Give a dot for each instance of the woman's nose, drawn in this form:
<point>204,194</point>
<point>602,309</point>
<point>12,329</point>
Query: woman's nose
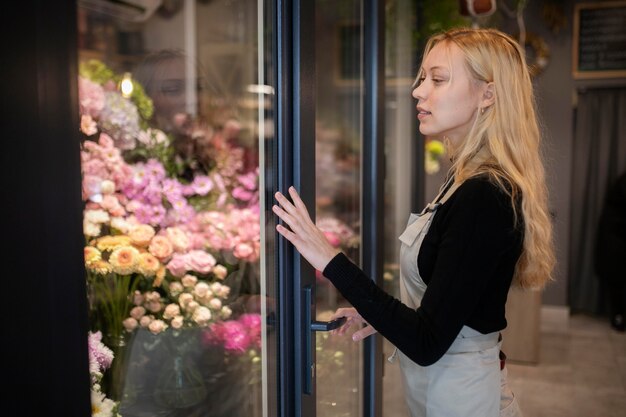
<point>417,93</point>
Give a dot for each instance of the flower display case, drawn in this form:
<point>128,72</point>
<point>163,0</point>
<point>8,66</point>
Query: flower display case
<point>167,240</point>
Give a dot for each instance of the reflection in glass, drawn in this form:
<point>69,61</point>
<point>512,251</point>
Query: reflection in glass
<point>172,216</point>
<point>403,170</point>
<point>339,101</point>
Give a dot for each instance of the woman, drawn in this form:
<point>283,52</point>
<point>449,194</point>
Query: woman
<point>488,229</point>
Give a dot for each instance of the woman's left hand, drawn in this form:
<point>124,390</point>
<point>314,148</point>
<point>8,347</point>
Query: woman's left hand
<point>304,235</point>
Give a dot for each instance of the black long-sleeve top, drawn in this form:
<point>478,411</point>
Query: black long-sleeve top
<point>467,260</point>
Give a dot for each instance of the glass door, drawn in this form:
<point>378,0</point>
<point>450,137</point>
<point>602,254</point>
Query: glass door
<point>339,95</point>
<point>192,114</point>
<point>176,114</point>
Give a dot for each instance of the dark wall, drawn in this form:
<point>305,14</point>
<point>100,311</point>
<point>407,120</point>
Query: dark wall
<point>45,358</point>
<point>556,99</point>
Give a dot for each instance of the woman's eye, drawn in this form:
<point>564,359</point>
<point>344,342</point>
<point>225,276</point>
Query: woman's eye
<point>437,80</point>
<point>420,80</point>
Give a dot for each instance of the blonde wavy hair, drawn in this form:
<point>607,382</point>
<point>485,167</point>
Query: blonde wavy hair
<point>504,142</point>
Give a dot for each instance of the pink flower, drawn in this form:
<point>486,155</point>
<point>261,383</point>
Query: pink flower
<point>137,312</point>
<point>202,185</point>
<point>232,334</point>
<point>90,97</point>
<point>333,239</point>
<point>177,265</point>
<point>98,353</point>
<point>243,250</point>
<point>200,261</point>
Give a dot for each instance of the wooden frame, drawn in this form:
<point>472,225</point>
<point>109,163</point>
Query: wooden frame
<point>597,71</point>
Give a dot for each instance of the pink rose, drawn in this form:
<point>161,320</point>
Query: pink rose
<point>243,250</point>
<point>137,312</point>
<point>177,265</point>
<point>200,261</point>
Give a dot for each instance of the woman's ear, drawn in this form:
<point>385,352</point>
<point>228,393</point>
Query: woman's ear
<point>489,95</point>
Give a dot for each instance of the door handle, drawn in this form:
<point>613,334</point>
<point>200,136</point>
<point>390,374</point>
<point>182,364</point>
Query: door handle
<point>311,326</point>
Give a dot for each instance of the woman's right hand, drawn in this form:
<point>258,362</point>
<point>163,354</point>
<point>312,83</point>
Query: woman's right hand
<point>353,317</point>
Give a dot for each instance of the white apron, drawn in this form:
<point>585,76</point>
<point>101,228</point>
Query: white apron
<point>466,381</point>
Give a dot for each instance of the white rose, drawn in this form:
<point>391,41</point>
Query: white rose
<point>189,281</point>
<point>107,187</point>
<point>172,310</point>
<point>220,271</point>
<point>215,304</point>
<point>202,290</point>
<point>191,307</point>
<point>177,322</point>
<point>226,312</point>
<point>185,299</point>
<point>202,315</point>
<point>157,326</point>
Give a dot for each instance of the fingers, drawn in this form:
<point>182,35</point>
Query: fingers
<point>345,312</point>
<point>286,217</point>
<point>299,204</point>
<point>288,234</point>
<point>285,203</point>
<point>363,333</point>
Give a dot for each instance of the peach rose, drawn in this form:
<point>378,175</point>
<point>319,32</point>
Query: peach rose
<point>130,324</point>
<point>179,238</point>
<point>141,235</point>
<point>177,322</point>
<point>161,247</point>
<point>220,271</point>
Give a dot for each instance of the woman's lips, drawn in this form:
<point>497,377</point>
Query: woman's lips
<point>422,114</point>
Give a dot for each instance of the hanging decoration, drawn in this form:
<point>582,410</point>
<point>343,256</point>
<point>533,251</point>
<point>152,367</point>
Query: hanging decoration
<point>477,8</point>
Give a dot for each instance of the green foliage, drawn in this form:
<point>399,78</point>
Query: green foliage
<point>438,16</point>
<point>96,71</point>
<point>143,102</point>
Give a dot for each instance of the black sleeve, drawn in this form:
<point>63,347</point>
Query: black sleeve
<point>475,234</point>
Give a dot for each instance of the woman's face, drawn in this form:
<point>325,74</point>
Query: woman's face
<point>447,97</point>
<point>169,96</point>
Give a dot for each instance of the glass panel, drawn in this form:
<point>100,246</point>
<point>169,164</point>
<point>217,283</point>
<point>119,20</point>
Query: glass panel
<point>401,142</point>
<point>174,102</point>
<point>339,102</point>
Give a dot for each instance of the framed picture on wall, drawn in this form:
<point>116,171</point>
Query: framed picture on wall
<point>599,42</point>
